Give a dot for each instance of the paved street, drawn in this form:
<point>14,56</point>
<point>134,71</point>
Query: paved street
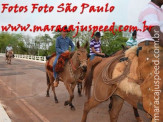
<point>23,89</point>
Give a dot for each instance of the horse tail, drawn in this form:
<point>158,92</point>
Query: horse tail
<point>88,79</point>
<point>47,78</point>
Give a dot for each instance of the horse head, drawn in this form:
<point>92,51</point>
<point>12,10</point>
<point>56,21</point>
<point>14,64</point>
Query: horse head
<point>81,56</point>
<point>124,47</point>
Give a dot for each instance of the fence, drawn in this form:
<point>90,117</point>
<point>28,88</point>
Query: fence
<point>2,54</point>
<point>28,57</point>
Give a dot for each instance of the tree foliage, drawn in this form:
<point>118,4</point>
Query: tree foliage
<point>45,45</point>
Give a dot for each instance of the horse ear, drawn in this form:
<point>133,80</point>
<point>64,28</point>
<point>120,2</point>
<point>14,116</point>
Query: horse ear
<point>123,47</point>
<point>86,45</point>
<point>78,45</point>
<point>71,54</point>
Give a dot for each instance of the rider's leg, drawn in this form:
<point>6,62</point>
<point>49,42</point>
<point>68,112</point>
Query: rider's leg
<point>55,73</point>
<point>92,56</point>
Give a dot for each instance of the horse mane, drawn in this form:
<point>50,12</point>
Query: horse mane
<point>89,76</point>
<point>71,54</point>
<point>88,81</point>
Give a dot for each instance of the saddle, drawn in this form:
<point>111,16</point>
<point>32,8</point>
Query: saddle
<point>60,63</point>
<point>116,73</point>
<point>125,73</point>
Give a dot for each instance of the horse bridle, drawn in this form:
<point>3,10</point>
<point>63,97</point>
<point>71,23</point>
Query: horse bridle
<point>72,67</point>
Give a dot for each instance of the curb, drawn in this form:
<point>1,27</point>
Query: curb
<point>3,115</point>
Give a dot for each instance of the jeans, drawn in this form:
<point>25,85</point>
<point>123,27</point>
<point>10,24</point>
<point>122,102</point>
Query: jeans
<point>92,56</point>
<point>54,64</point>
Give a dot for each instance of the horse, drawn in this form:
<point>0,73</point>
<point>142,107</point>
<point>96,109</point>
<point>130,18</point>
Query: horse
<point>9,56</point>
<point>72,74</point>
<point>145,95</point>
<point>105,90</point>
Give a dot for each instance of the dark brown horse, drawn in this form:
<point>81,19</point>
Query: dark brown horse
<point>9,56</point>
<point>74,68</point>
<point>103,91</point>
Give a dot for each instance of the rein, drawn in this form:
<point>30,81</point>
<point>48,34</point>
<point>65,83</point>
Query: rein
<point>105,76</point>
<point>70,61</point>
<point>109,81</point>
<point>72,67</point>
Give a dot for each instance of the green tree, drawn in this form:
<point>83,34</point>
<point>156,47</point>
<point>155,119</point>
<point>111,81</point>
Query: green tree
<point>112,43</point>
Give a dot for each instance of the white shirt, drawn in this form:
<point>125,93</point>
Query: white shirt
<point>9,48</point>
<point>153,15</point>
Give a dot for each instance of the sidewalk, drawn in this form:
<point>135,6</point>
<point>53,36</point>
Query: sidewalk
<point>3,115</point>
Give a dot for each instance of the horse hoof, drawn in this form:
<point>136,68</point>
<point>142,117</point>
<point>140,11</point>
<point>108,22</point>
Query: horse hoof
<point>47,95</point>
<point>66,103</point>
<point>73,108</point>
<point>80,95</point>
<point>139,119</point>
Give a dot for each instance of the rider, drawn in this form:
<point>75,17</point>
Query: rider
<point>95,46</point>
<point>8,48</point>
<point>62,45</point>
<point>148,41</point>
<point>132,41</point>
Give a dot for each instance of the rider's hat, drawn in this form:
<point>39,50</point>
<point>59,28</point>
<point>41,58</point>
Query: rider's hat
<point>98,34</point>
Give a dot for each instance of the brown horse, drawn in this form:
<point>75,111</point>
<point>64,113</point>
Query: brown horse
<point>102,90</point>
<point>9,56</point>
<point>75,67</point>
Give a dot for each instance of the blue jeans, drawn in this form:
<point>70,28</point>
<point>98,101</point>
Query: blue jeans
<point>92,56</point>
<point>54,64</point>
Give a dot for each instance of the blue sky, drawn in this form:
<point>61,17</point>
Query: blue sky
<point>126,13</point>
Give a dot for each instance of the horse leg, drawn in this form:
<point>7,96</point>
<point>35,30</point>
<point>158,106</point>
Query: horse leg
<point>55,96</point>
<point>53,88</point>
<point>10,61</point>
<point>7,60</point>
<point>91,103</point>
<point>71,93</point>
<point>137,115</point>
<point>48,84</point>
<point>117,104</point>
<point>110,105</point>
<point>79,89</point>
<point>47,92</point>
<point>71,98</point>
